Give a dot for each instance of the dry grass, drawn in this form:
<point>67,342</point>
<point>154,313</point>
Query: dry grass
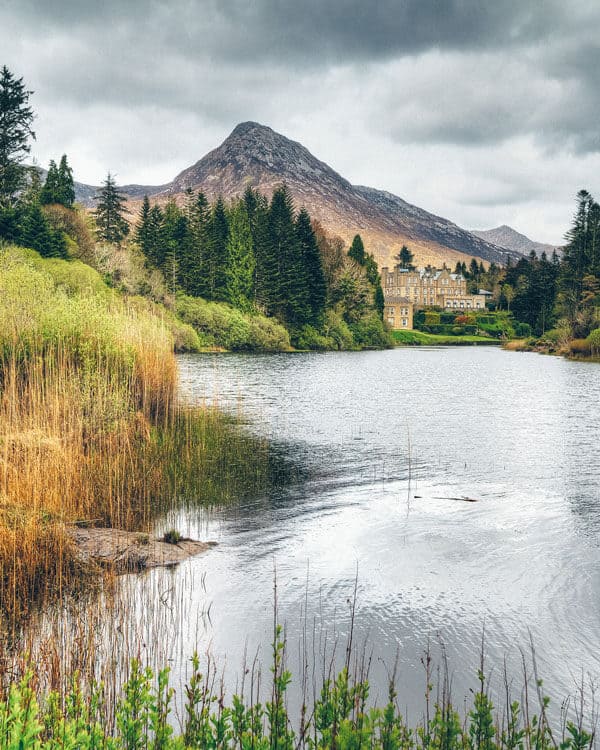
<point>89,427</point>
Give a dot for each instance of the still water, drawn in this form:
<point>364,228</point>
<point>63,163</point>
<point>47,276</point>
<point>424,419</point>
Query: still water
<point>385,442</point>
<point>383,446</point>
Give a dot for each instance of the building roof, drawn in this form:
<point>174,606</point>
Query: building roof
<point>396,298</point>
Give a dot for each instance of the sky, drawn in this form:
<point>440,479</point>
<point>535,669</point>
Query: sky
<point>485,112</point>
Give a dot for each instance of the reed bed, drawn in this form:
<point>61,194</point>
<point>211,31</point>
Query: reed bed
<point>90,427</point>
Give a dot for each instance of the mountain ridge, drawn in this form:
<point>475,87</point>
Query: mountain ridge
<point>256,155</point>
<point>510,239</point>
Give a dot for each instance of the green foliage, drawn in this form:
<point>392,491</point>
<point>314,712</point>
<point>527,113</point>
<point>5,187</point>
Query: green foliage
<point>172,536</point>
<point>16,117</point>
<point>240,259</point>
<point>405,258</point>
<point>59,187</point>
<point>431,318</point>
<point>357,250</point>
<point>220,325</point>
<point>110,213</point>
<point>594,341</point>
<point>339,716</point>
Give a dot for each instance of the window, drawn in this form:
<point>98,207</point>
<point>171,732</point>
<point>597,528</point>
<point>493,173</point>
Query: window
<point>404,322</point>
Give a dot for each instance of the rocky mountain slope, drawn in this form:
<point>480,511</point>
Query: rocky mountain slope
<point>513,241</point>
<point>256,155</point>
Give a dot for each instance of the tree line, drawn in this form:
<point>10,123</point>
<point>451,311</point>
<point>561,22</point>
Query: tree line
<point>253,253</point>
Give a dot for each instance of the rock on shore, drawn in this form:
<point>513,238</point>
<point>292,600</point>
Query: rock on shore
<point>129,551</point>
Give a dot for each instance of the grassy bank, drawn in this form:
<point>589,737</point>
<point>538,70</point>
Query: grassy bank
<point>89,424</point>
<point>419,338</point>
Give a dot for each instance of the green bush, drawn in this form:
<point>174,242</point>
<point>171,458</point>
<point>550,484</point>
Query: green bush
<point>309,338</point>
<point>432,318</point>
<point>337,331</point>
<point>221,325</point>
<point>368,332</point>
<point>594,342</point>
<point>522,330</point>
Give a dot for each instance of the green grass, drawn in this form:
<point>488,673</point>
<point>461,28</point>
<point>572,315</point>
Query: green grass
<point>337,716</point>
<point>418,338</point>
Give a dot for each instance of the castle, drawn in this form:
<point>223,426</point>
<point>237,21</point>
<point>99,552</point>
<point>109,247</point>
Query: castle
<point>405,289</point>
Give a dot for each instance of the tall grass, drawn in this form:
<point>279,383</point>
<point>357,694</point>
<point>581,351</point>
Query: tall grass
<point>90,428</point>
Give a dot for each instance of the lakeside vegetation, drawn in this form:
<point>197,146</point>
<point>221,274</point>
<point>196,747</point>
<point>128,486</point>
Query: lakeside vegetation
<point>90,426</point>
<point>558,297</point>
<point>336,712</point>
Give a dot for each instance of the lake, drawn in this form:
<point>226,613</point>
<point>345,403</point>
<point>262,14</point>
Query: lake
<point>380,449</point>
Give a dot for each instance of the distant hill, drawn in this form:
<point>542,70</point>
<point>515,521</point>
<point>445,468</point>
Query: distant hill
<point>256,155</point>
<point>517,243</point>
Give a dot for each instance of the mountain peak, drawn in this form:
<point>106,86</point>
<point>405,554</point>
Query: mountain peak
<point>509,239</point>
<point>256,155</point>
<point>245,128</point>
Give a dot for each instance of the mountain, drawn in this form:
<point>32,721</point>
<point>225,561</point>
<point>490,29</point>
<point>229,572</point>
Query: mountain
<point>256,155</point>
<point>517,243</point>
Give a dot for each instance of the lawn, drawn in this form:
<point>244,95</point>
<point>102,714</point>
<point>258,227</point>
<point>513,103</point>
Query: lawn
<point>418,338</point>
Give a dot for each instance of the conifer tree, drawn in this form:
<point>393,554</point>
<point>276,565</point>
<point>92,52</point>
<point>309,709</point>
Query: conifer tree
<point>49,192</point>
<point>66,186</point>
<point>357,250</point>
<point>257,208</point>
<point>37,234</point>
<point>173,233</point>
<point>141,230</point>
<point>16,118</point>
<point>287,283</point>
<point>313,267</point>
<point>217,252</point>
<point>240,258</point>
<point>110,212</point>
<point>405,258</point>
<point>153,237</point>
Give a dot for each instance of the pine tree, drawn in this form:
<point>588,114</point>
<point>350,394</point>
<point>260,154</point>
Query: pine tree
<point>257,208</point>
<point>357,250</point>
<point>173,233</point>
<point>50,190</point>
<point>240,258</point>
<point>37,234</point>
<point>141,230</point>
<point>66,186</point>
<point>110,213</point>
<point>16,118</point>
<point>218,232</point>
<point>405,258</point>
<point>313,267</point>
<point>287,284</point>
<point>154,252</point>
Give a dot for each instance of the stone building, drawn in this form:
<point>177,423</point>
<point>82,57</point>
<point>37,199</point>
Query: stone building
<point>398,312</point>
<point>426,287</point>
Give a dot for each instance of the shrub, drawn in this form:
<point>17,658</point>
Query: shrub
<point>309,338</point>
<point>219,324</point>
<point>581,347</point>
<point>336,329</point>
<point>593,341</point>
<point>369,332</point>
<point>172,536</point>
<point>432,318</point>
<point>522,330</point>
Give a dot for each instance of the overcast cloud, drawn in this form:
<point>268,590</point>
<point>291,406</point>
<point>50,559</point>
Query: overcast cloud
<point>483,111</point>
